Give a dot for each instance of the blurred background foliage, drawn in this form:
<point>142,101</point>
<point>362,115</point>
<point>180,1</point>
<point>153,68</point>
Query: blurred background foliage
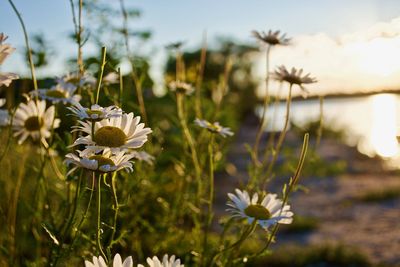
<point>153,219</point>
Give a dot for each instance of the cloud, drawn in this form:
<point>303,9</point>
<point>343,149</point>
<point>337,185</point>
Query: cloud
<point>363,61</point>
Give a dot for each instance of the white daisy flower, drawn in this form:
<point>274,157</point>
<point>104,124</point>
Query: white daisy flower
<point>293,77</point>
<point>267,212</point>
<point>5,51</point>
<point>57,94</point>
<point>113,134</point>
<point>166,262</point>
<point>271,38</point>
<point>143,156</point>
<point>214,127</point>
<point>32,119</point>
<point>181,87</point>
<point>95,112</point>
<point>7,77</point>
<point>111,78</point>
<point>100,262</point>
<point>73,80</point>
<point>105,162</point>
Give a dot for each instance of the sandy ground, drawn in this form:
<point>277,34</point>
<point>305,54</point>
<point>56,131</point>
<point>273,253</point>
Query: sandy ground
<point>373,227</point>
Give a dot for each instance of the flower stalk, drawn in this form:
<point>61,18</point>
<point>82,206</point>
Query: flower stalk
<point>28,47</point>
<point>264,111</point>
<point>287,190</point>
<point>99,230</point>
<point>100,78</point>
<point>116,209</point>
<point>189,141</point>
<point>211,194</point>
<point>279,143</point>
<point>135,78</point>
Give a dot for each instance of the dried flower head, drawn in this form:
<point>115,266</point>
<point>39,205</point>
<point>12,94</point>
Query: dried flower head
<point>293,77</point>
<point>271,38</point>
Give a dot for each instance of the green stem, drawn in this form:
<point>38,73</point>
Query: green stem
<point>116,209</point>
<point>9,135</point>
<point>37,216</point>
<point>98,230</point>
<point>271,140</point>
<point>14,208</point>
<point>280,140</point>
<point>100,78</point>
<point>190,142</point>
<point>79,40</point>
<point>66,228</point>
<point>263,114</point>
<point>242,238</point>
<point>121,87</point>
<point>136,80</point>
<point>293,181</point>
<point>78,33</point>
<point>200,75</point>
<point>31,65</point>
<point>78,227</point>
<point>211,195</point>
<point>180,70</point>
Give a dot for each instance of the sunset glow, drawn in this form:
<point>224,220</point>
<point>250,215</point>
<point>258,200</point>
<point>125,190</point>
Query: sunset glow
<point>384,129</point>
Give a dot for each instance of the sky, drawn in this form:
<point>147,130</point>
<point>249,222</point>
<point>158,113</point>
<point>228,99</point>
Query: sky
<point>347,45</point>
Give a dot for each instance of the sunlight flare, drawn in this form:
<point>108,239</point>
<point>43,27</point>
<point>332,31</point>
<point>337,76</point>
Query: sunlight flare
<point>383,128</point>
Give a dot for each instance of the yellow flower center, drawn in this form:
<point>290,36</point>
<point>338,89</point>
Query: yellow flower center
<point>94,112</point>
<point>56,94</point>
<point>109,136</point>
<point>102,161</point>
<point>33,123</point>
<point>214,127</point>
<point>182,89</point>
<point>73,80</point>
<point>272,40</point>
<point>258,212</point>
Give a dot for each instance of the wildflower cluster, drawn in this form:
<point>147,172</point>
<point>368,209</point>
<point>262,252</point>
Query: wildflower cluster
<point>128,262</point>
<point>110,137</point>
<point>103,198</point>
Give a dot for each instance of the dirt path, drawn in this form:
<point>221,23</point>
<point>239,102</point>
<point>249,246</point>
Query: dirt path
<point>371,226</point>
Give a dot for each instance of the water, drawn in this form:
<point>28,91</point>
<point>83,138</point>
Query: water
<point>370,123</point>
